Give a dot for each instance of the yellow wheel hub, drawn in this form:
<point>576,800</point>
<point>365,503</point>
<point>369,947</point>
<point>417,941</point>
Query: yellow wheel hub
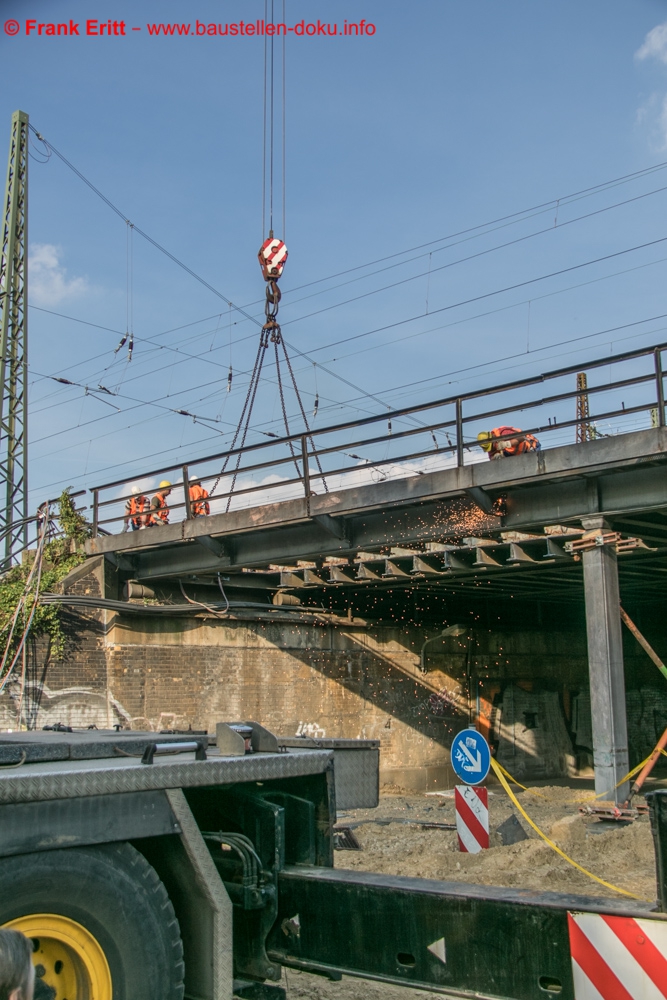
<point>72,959</point>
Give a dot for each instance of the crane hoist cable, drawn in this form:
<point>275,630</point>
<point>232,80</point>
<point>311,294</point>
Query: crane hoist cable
<point>272,257</point>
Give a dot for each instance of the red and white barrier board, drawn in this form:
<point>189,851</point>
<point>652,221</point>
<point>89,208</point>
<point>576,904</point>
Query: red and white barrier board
<point>618,958</point>
<point>472,817</point>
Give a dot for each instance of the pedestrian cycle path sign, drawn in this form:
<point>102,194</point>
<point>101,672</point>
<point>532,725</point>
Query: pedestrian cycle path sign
<point>471,756</point>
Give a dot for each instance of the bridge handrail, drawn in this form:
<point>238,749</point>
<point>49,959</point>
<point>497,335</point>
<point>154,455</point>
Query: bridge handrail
<point>305,451</point>
<point>406,411</point>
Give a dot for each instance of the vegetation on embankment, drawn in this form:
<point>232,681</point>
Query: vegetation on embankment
<point>59,557</point>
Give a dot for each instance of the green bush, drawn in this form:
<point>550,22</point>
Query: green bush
<point>60,556</point>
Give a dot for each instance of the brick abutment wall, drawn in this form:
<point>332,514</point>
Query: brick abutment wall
<point>527,690</point>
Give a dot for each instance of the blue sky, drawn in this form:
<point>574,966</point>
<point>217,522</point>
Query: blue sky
<point>451,115</point>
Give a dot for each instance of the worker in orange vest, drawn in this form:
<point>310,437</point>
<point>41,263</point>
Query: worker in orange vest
<point>199,505</point>
<point>159,508</point>
<point>506,442</point>
<point>134,510</point>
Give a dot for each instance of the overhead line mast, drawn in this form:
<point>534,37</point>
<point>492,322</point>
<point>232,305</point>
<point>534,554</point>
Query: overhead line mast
<point>14,345</point>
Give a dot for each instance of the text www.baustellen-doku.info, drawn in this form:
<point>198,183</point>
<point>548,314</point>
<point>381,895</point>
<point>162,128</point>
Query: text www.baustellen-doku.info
<point>93,28</point>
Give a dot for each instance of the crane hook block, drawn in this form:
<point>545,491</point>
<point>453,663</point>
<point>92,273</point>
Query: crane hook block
<point>272,257</point>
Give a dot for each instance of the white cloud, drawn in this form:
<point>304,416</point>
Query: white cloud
<point>48,281</point>
<point>655,44</point>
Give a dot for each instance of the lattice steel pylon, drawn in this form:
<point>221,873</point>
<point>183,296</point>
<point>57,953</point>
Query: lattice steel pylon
<point>585,430</point>
<point>14,346</point>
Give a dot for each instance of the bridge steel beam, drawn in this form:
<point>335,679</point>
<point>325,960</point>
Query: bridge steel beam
<point>614,477</point>
<point>605,667</point>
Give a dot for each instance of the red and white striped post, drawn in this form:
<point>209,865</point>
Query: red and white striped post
<point>617,958</point>
<point>472,817</point>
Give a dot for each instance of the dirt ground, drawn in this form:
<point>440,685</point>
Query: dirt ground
<point>621,855</point>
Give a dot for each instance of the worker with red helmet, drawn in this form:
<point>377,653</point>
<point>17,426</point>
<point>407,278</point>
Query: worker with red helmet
<point>199,505</point>
<point>135,518</point>
<point>506,442</point>
<point>159,513</point>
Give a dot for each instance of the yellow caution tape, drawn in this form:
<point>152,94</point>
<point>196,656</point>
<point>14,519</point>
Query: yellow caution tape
<point>503,781</point>
<point>630,774</point>
<point>590,798</point>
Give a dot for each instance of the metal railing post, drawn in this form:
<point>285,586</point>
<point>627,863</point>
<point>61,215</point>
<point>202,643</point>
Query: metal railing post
<point>186,493</point>
<point>657,356</point>
<point>459,432</point>
<point>339,445</point>
<point>96,511</point>
<point>306,470</point>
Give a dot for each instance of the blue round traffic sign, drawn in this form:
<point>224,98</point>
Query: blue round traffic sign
<point>470,756</point>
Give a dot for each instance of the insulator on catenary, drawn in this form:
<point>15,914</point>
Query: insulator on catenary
<point>317,404</point>
<point>122,343</point>
<point>229,379</point>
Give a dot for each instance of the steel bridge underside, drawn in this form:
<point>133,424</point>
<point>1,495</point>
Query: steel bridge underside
<point>622,478</point>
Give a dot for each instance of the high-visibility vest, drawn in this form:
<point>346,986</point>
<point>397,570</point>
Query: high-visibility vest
<point>526,442</point>
<point>198,502</point>
<point>162,510</point>
<point>136,506</point>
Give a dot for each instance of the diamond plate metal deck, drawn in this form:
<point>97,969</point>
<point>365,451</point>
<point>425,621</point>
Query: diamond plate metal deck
<point>356,768</point>
<point>65,779</point>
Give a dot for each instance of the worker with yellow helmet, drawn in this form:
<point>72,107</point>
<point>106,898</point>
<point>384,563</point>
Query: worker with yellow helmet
<point>159,508</point>
<point>506,442</point>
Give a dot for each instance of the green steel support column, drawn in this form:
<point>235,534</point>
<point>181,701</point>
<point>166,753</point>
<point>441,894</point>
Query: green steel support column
<point>14,345</point>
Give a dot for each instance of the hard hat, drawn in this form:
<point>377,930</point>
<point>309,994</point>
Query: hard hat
<point>134,490</point>
<point>484,438</point>
<point>165,484</point>
<point>194,479</point>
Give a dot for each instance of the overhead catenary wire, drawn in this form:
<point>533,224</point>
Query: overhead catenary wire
<point>303,354</point>
<point>458,260</point>
<point>153,455</point>
<point>452,306</point>
<point>449,264</point>
<point>153,242</point>
<point>491,312</point>
<point>185,356</point>
<point>467,319</point>
<point>498,291</point>
<point>364,395</point>
<point>496,361</point>
<point>243,311</point>
<point>141,232</point>
<point>518,216</point>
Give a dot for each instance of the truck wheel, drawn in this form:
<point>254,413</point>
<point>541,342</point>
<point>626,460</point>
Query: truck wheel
<point>101,922</point>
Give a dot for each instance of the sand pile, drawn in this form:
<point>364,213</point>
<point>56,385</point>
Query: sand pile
<point>393,843</point>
